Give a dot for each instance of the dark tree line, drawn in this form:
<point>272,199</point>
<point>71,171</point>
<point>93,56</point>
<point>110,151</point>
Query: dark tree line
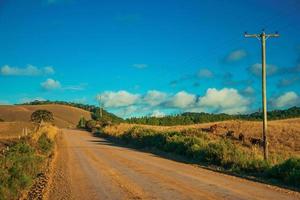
<point>196,118</point>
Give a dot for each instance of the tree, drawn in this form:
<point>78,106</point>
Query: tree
<point>42,115</point>
<point>82,122</point>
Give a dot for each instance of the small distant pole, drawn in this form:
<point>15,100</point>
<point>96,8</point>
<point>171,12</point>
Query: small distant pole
<point>101,107</point>
<point>263,37</point>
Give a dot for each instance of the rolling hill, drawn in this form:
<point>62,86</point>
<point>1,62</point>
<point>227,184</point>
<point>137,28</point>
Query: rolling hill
<point>64,116</point>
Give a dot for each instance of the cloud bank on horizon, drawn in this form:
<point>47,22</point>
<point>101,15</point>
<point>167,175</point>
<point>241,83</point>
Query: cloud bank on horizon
<point>158,103</point>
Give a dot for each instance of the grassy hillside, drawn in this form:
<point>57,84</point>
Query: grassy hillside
<point>90,108</point>
<point>284,135</point>
<point>64,116</point>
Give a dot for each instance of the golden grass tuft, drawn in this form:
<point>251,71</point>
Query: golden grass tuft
<point>50,130</point>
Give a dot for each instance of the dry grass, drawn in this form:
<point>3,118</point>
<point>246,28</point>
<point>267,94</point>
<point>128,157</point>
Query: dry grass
<point>64,116</point>
<point>13,130</point>
<point>284,135</point>
<point>50,131</point>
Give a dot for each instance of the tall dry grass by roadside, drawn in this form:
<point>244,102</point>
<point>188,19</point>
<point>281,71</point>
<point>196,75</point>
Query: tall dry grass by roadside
<point>284,135</point>
<point>48,129</point>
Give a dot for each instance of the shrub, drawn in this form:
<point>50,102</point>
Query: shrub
<point>23,161</point>
<point>20,165</point>
<point>82,122</point>
<point>45,144</point>
<point>90,125</point>
<point>288,171</point>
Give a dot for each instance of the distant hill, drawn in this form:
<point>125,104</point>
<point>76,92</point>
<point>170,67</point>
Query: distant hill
<point>64,116</point>
<point>94,110</point>
<point>196,118</point>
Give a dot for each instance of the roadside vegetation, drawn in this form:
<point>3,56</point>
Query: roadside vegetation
<point>23,160</point>
<point>224,152</point>
<point>201,148</point>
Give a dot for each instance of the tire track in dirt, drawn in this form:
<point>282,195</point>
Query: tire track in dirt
<point>156,177</point>
<point>132,190</point>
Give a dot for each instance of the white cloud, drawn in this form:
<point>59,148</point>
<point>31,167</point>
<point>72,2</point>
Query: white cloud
<point>128,111</point>
<point>157,103</point>
<point>287,99</point>
<point>30,70</point>
<point>50,84</point>
<point>248,90</point>
<point>227,100</point>
<point>75,87</point>
<point>118,99</point>
<point>236,55</point>
<point>31,99</point>
<point>154,97</point>
<point>182,100</point>
<point>140,66</point>
<point>48,70</point>
<point>157,113</point>
<point>205,73</point>
<point>256,69</point>
<point>288,81</point>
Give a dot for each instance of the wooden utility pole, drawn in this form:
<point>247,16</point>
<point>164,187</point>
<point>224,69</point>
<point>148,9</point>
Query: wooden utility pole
<point>101,107</point>
<point>263,37</point>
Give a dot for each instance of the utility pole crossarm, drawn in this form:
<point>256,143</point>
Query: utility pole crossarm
<point>252,35</point>
<point>272,35</point>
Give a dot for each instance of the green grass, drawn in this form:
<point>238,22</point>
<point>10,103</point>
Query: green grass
<point>45,144</point>
<point>287,171</point>
<point>222,152</point>
<point>20,165</point>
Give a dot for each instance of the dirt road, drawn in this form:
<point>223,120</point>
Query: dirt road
<point>92,168</point>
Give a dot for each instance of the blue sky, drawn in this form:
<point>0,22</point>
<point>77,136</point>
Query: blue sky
<point>149,57</point>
